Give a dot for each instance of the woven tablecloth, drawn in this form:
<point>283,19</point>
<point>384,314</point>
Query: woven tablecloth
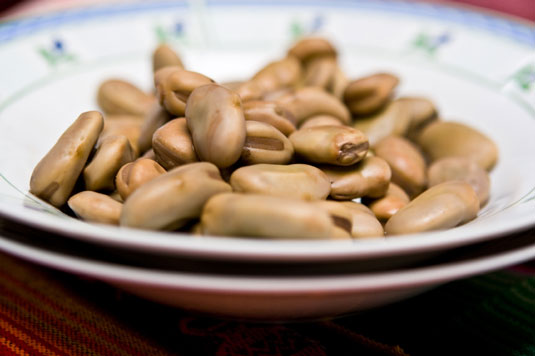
<point>46,312</point>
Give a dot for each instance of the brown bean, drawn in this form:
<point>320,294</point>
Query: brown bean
<point>96,207</point>
<point>298,181</point>
<point>172,199</point>
<point>408,165</point>
<point>216,123</point>
<point>172,144</point>
<point>464,169</point>
<point>134,174</point>
<point>265,144</point>
<point>123,125</point>
<point>270,113</point>
<point>338,145</point>
<point>310,101</point>
<point>446,138</point>
<point>384,207</point>
<point>155,118</point>
<point>112,153</point>
<point>119,97</point>
<point>367,95</point>
<point>369,177</point>
<point>442,206</point>
<point>55,175</point>
<point>254,215</point>
<point>174,86</point>
<point>164,56</point>
<point>311,47</point>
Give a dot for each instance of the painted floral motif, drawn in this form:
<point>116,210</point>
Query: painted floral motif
<point>300,29</point>
<point>525,77</point>
<point>56,53</point>
<point>173,32</point>
<point>431,43</point>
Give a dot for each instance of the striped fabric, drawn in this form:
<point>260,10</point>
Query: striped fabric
<point>45,312</point>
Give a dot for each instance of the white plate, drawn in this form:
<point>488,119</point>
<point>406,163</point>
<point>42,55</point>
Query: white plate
<point>288,297</point>
<point>477,68</point>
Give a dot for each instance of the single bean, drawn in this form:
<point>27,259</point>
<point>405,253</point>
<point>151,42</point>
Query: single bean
<point>384,207</point>
<point>310,101</point>
<point>216,123</point>
<point>446,138</point>
<point>298,181</point>
<point>369,177</point>
<point>172,144</point>
<point>421,111</point>
<point>311,47</point>
<point>367,95</point>
<point>119,97</point>
<point>408,165</point>
<point>170,200</point>
<point>164,56</point>
<point>254,215</point>
<point>112,153</point>
<point>174,86</point>
<point>364,224</point>
<point>96,207</point>
<point>320,71</point>
<point>265,144</point>
<point>134,174</point>
<point>320,120</point>
<point>123,125</point>
<point>442,206</point>
<point>460,168</point>
<point>337,145</point>
<point>155,118</point>
<point>270,113</point>
<point>54,177</point>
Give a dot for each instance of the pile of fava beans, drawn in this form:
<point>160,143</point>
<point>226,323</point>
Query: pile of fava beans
<point>298,151</point>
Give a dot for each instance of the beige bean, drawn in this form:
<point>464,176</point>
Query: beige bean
<point>112,153</point>
<point>320,120</point>
<point>337,145</point>
<point>447,138</point>
<point>369,177</point>
<point>443,206</point>
<point>216,123</point>
<point>172,144</point>
<point>338,84</point>
<point>174,86</point>
<point>119,97</point>
<point>155,118</point>
<point>367,95</point>
<point>464,169</point>
<point>265,216</point>
<point>394,119</point>
<point>310,101</point>
<point>164,56</point>
<point>54,177</point>
<point>409,169</point>
<point>270,113</point>
<point>384,207</point>
<point>170,200</point>
<point>311,47</point>
<point>341,217</point>
<point>265,144</point>
<point>421,111</point>
<point>96,207</point>
<point>320,71</point>
<point>299,181</point>
<point>364,224</point>
<point>274,76</point>
<point>134,174</point>
<point>123,125</point>
<point>284,73</point>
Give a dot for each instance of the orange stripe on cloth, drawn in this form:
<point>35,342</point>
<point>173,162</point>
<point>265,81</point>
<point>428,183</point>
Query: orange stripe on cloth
<point>25,339</point>
<point>71,323</point>
<point>8,348</point>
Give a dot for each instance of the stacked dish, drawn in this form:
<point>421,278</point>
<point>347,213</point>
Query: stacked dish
<point>477,68</point>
